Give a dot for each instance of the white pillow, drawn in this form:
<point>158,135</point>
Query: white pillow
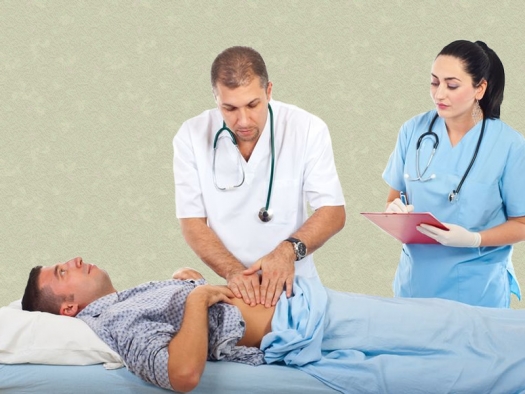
<point>44,338</point>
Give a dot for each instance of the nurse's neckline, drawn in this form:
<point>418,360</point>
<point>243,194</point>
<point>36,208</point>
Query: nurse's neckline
<point>456,134</point>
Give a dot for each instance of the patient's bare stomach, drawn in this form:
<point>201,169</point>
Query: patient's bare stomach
<point>258,321</point>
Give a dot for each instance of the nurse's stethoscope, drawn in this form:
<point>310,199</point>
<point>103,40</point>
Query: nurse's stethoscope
<point>265,213</point>
<point>430,134</point>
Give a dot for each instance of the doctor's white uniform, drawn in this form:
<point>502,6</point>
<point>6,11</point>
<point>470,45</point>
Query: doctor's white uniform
<point>493,191</point>
<point>305,173</point>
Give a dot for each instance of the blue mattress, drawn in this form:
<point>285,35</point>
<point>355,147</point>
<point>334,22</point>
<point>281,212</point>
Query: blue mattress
<point>218,377</point>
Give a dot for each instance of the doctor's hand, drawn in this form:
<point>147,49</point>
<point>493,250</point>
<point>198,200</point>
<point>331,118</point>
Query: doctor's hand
<point>397,206</point>
<point>278,270</point>
<point>245,286</point>
<point>455,236</point>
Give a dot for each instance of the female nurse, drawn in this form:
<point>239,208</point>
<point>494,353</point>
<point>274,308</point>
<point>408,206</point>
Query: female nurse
<point>464,165</point>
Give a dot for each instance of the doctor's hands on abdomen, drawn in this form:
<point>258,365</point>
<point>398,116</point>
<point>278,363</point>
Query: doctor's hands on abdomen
<point>277,274</point>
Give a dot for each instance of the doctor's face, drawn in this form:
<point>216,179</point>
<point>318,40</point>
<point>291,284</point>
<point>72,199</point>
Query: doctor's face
<point>244,109</point>
<point>452,90</point>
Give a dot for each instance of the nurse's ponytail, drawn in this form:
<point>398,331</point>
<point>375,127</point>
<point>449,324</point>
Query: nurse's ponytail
<point>481,63</point>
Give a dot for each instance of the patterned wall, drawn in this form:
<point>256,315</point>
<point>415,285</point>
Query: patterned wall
<point>92,93</point>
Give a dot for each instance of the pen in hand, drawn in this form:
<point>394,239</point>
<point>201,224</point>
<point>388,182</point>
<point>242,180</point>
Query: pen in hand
<point>400,204</point>
<point>403,198</point>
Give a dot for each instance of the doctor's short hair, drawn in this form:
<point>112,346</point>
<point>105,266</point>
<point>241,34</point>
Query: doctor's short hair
<point>481,63</point>
<point>40,299</point>
<point>237,66</point>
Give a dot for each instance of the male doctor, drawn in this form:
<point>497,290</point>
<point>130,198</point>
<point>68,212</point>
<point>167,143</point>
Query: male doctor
<point>244,173</point>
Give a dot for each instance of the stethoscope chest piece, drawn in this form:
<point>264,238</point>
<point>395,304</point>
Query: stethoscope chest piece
<point>265,214</point>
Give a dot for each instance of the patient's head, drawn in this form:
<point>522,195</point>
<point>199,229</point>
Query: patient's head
<point>65,288</point>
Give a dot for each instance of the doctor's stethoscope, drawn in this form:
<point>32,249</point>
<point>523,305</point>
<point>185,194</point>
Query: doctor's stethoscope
<point>430,134</point>
<point>265,213</point>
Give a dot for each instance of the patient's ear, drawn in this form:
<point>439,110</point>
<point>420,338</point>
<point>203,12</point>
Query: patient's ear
<point>69,309</point>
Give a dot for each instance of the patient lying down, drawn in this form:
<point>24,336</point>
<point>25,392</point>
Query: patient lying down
<point>166,331</point>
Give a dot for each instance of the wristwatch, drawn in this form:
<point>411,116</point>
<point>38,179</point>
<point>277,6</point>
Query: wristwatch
<point>298,247</point>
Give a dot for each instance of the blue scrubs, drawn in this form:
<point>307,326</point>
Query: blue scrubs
<point>493,191</point>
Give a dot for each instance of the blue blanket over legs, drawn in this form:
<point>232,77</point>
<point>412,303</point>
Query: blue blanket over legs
<point>364,344</point>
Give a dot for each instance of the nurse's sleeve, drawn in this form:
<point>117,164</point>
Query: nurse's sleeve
<point>321,182</point>
<point>395,168</point>
<point>513,180</point>
<point>188,194</point>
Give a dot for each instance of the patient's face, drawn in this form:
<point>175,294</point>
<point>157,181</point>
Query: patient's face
<point>86,282</point>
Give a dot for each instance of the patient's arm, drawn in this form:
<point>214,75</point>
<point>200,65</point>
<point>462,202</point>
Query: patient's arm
<point>188,350</point>
<point>257,318</point>
<point>210,249</point>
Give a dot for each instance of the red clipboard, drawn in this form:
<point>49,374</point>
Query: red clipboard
<point>402,226</point>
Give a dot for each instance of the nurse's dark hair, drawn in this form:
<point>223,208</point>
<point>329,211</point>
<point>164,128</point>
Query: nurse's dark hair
<point>481,63</point>
<point>237,66</point>
<point>40,299</point>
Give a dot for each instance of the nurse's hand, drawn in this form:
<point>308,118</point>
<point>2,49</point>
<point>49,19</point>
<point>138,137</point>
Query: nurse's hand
<point>245,286</point>
<point>455,236</point>
<point>397,206</point>
<point>278,270</point>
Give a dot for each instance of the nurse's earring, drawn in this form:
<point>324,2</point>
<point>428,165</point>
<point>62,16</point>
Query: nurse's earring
<point>477,113</point>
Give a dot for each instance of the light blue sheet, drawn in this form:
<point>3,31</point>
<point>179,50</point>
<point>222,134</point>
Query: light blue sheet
<point>219,378</point>
<point>365,344</point>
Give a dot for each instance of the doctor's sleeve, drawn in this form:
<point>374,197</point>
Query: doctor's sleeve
<point>321,181</point>
<point>393,174</point>
<point>188,194</point>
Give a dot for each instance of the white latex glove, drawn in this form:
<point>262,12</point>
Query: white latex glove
<point>455,236</point>
<point>397,206</point>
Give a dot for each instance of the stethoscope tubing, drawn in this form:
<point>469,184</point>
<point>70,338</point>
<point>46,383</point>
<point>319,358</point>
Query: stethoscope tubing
<point>264,211</point>
<point>234,141</point>
<point>429,133</point>
<point>452,195</point>
<point>456,191</point>
<point>272,165</point>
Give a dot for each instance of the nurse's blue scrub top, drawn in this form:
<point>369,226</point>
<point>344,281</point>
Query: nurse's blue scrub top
<point>493,191</point>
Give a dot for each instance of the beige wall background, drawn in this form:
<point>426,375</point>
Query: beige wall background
<point>92,93</point>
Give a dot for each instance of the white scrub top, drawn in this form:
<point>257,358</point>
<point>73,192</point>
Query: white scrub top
<point>493,191</point>
<point>304,173</point>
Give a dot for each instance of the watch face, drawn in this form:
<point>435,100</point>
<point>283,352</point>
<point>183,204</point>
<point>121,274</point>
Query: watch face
<point>298,247</point>
<point>301,249</point>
